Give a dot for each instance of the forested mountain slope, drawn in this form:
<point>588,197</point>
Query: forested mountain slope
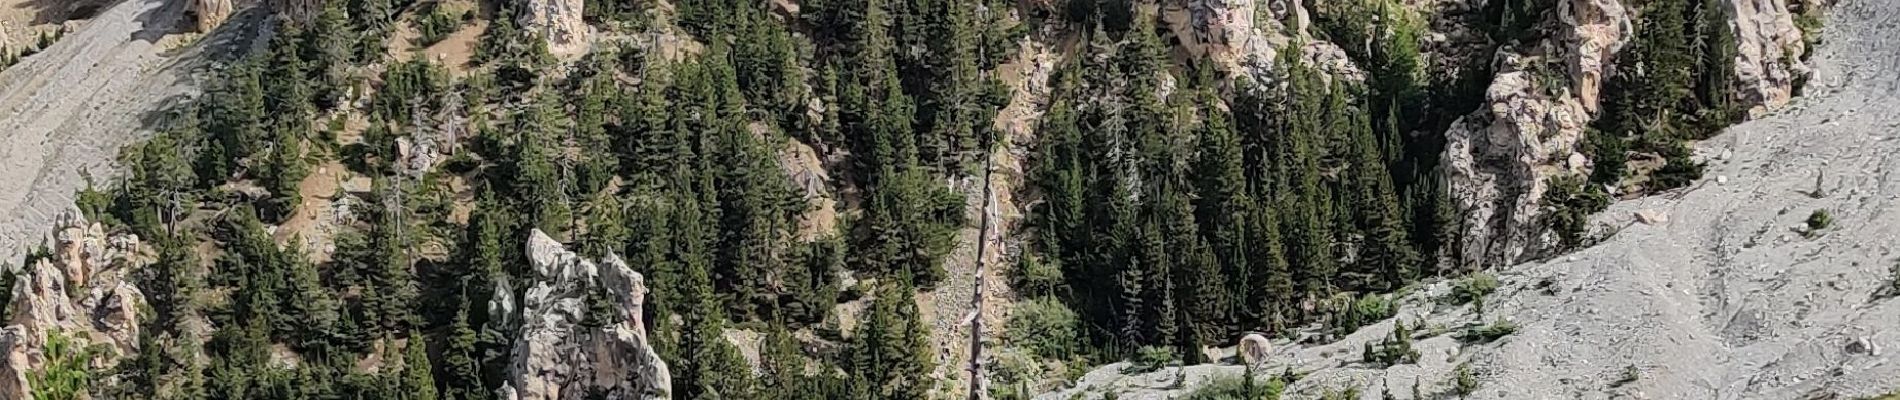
<point>737,199</point>
<point>1772,279</point>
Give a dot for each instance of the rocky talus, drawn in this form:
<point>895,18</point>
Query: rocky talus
<point>556,357</point>
<point>81,292</point>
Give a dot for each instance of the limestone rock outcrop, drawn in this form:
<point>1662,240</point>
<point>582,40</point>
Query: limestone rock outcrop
<point>558,22</point>
<point>211,13</point>
<point>1770,47</point>
<point>79,291</point>
<point>1499,159</point>
<point>1244,44</point>
<point>556,357</point>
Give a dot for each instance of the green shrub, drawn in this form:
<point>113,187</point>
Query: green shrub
<point>1353,313</point>
<point>1393,350</point>
<point>1038,277</point>
<point>1464,382</point>
<point>1245,386</point>
<point>1013,374</point>
<point>1568,205</point>
<point>436,25</point>
<point>1149,359</point>
<point>1819,220</point>
<point>1044,327</point>
<point>1808,19</point>
<point>1473,287</point>
<point>65,375</point>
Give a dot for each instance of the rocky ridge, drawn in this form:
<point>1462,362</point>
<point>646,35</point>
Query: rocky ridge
<point>81,291</point>
<point>556,357</point>
<point>1499,159</point>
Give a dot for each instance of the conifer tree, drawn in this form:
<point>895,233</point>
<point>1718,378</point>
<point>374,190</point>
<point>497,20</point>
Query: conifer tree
<point>462,368</point>
<point>418,380</point>
<point>888,348</point>
<point>710,367</point>
<point>310,311</point>
<point>539,174</point>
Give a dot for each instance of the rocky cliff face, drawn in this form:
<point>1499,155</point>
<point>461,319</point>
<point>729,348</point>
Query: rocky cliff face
<point>1244,37</point>
<point>211,13</point>
<point>555,357</point>
<point>559,22</point>
<point>80,292</point>
<point>1770,47</point>
<point>1499,160</point>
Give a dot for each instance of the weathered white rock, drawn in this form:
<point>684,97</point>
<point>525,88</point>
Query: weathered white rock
<point>1651,217</point>
<point>79,292</point>
<point>1254,349</point>
<point>555,356</point>
<point>1498,159</point>
<point>559,23</point>
<point>210,13</point>
<point>1596,30</point>
<point>1233,35</point>
<point>1767,61</point>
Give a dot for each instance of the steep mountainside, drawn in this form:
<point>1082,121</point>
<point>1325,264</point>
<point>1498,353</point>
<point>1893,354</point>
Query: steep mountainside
<point>68,109</point>
<point>1723,290</point>
<point>751,199</point>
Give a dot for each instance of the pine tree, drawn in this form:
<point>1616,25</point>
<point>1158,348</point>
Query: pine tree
<point>1715,70</point>
<point>460,362</point>
<point>1222,208</point>
<point>540,175</point>
<point>710,367</point>
<point>1309,242</point>
<point>330,52</point>
<point>784,365</point>
<point>310,312</point>
<point>1387,251</point>
<point>391,292</point>
<point>752,190</point>
<point>418,382</point>
<point>888,348</point>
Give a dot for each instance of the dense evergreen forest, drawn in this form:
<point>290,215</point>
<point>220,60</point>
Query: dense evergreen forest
<point>1176,207</point>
